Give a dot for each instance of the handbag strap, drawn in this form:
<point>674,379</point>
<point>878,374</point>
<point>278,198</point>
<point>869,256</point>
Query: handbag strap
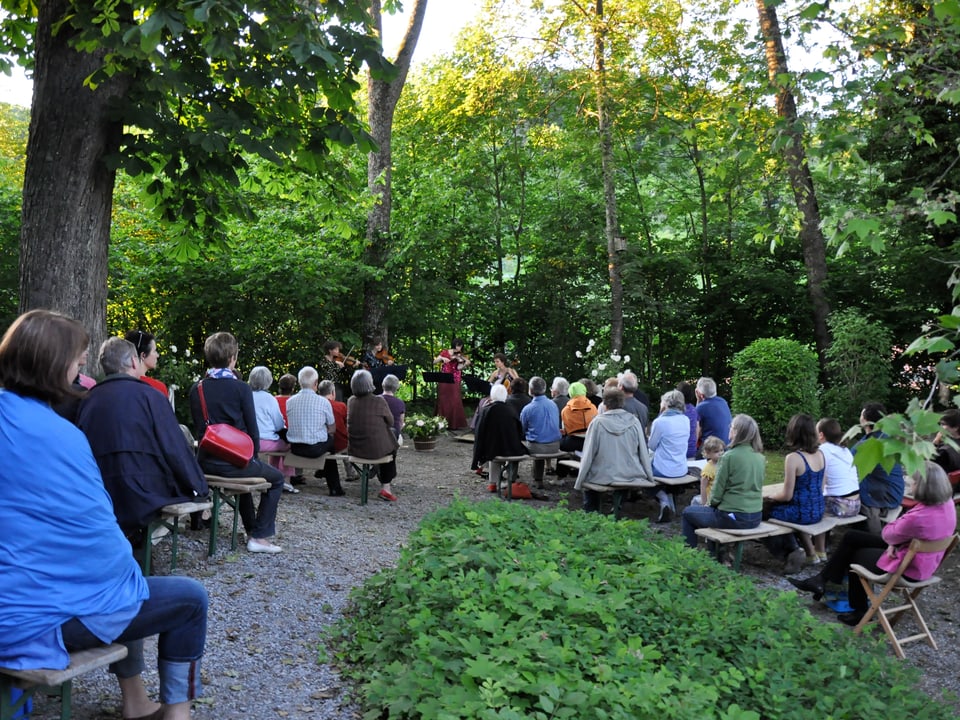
<point>203,403</point>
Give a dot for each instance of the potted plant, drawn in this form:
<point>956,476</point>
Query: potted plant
<point>423,429</point>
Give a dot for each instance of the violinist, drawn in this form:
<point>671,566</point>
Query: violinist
<point>336,367</point>
<point>376,355</point>
<point>503,374</point>
<point>449,400</point>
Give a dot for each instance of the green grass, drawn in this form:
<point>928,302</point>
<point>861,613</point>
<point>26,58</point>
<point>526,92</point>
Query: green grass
<point>775,462</point>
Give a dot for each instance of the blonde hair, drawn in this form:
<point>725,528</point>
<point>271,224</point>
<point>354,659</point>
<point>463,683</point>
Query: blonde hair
<point>712,444</point>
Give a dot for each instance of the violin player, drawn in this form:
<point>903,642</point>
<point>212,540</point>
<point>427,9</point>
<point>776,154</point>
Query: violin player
<point>449,400</point>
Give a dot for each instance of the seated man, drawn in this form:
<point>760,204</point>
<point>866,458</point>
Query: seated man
<point>615,450</point>
<point>311,426</point>
<point>137,442</point>
<point>541,425</point>
<point>880,490</point>
<point>628,383</point>
<point>713,413</point>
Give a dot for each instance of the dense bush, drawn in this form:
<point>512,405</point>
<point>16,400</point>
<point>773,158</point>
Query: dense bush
<point>496,610</point>
<point>859,365</point>
<point>773,379</point>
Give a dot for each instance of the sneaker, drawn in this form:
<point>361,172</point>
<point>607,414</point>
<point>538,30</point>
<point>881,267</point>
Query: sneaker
<point>811,559</point>
<point>287,487</point>
<point>666,514</point>
<point>492,487</point>
<point>159,533</point>
<point>263,546</point>
<point>851,618</point>
<point>388,496</point>
<point>822,556</point>
<point>795,561</point>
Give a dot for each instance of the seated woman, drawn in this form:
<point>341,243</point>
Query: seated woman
<point>147,357</point>
<point>230,401</point>
<point>270,421</point>
<point>575,418</point>
<point>391,383</point>
<point>669,434</point>
<point>933,518</point>
<point>499,434</point>
<point>615,450</point>
<point>736,500</point>
<point>92,588</point>
<point>801,499</point>
<point>370,430</point>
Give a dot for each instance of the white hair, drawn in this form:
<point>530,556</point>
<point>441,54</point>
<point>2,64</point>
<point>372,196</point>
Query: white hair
<point>307,377</point>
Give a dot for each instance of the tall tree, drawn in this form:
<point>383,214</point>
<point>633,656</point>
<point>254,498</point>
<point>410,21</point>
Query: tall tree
<point>177,91</point>
<point>384,93</point>
<point>798,171</point>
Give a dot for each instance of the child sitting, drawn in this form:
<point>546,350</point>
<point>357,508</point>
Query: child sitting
<point>712,449</point>
<point>842,487</point>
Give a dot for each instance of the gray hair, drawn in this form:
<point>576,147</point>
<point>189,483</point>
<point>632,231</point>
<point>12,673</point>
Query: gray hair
<point>391,383</point>
<point>116,355</point>
<point>629,383</point>
<point>307,377</point>
<point>361,383</point>
<point>560,386</point>
<point>498,393</point>
<point>673,400</point>
<point>537,385</point>
<point>613,398</point>
<point>326,388</point>
<point>707,387</point>
<point>931,485</point>
<point>260,378</point>
<point>744,431</point>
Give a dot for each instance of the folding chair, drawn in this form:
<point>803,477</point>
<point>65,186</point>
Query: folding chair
<point>909,589</point>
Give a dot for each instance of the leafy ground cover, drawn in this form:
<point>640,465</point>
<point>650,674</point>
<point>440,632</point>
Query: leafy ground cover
<point>502,611</point>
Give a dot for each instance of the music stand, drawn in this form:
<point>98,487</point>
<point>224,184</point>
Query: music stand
<point>380,372</point>
<point>438,377</point>
<point>477,384</point>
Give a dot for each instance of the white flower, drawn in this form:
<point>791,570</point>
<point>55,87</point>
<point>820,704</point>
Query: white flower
<point>578,354</point>
<point>420,423</point>
<point>591,344</point>
<point>186,352</point>
<point>626,358</point>
<point>615,357</point>
<point>196,378</point>
<point>173,349</point>
<point>602,366</point>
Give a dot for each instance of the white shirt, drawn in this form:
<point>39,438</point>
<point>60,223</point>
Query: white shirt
<point>308,416</point>
<point>842,476</point>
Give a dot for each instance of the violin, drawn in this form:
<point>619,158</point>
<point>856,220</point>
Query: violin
<point>347,361</point>
<point>459,358</point>
<point>383,356</point>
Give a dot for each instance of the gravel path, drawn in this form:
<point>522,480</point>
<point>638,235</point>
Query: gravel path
<point>267,612</point>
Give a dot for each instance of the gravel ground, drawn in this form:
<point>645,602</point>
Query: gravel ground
<point>267,612</point>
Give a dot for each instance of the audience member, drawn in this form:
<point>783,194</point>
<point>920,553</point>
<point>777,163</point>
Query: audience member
<point>736,500</point>
<point>390,384</point>
<point>880,490</point>
<point>285,387</point>
<point>313,426</point>
<point>519,398</point>
<point>841,493</point>
<point>713,448</point>
<point>615,450</point>
<point>560,392</point>
<point>668,442</point>
<point>628,383</point>
<point>541,426</point>
<point>948,456</point>
<point>270,421</point>
<point>594,393</point>
<point>71,583</point>
<point>147,357</point>
<point>575,418</point>
<point>690,412</point>
<point>499,434</point>
<point>136,440</point>
<point>328,389</point>
<point>713,413</point>
<point>227,400</point>
<point>370,430</point>
<point>933,518</point>
<point>801,499</point>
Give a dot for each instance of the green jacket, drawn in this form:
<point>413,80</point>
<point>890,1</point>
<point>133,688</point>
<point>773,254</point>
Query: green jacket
<point>739,484</point>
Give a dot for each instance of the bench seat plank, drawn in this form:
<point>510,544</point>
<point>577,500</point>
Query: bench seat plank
<point>81,661</point>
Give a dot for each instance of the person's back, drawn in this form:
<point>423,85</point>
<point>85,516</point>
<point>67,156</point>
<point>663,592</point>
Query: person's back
<point>879,490</point>
<point>615,450</point>
<point>713,412</point>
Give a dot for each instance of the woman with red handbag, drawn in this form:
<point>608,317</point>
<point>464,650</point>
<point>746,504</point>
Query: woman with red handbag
<point>220,398</point>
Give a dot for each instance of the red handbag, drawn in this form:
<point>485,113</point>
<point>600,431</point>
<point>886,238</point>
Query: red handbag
<point>224,441</point>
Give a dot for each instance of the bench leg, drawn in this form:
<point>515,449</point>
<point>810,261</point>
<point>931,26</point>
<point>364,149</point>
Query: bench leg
<point>364,483</point>
<point>175,536</point>
<point>8,706</point>
<point>618,496</point>
<point>234,502</point>
<point>66,700</point>
<point>214,522</point>
<point>737,556</point>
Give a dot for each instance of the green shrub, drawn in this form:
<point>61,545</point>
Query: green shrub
<point>859,365</point>
<point>497,610</point>
<point>774,379</point>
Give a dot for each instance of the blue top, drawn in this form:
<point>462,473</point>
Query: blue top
<point>668,440</point>
<point>691,413</point>
<point>62,554</point>
<point>806,505</point>
<point>541,420</point>
<point>714,414</point>
<point>881,489</point>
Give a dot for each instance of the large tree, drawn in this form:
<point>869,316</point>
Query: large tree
<point>179,92</point>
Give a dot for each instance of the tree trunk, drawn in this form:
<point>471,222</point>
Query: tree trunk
<point>383,97</point>
<point>67,188</point>
<point>798,171</point>
<point>612,226</point>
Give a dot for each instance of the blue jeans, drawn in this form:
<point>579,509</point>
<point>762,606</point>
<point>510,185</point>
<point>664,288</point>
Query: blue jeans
<point>176,611</point>
<point>700,516</point>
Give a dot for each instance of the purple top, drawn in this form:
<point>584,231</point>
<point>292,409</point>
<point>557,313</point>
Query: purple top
<point>691,412</point>
<point>398,408</point>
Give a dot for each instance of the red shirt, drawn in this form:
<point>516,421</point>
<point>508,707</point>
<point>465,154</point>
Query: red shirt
<point>340,415</point>
<point>282,402</point>
<point>155,384</point>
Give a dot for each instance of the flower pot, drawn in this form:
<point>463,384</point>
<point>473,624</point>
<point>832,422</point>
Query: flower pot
<point>425,445</point>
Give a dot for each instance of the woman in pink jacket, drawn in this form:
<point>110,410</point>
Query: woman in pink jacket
<point>933,518</point>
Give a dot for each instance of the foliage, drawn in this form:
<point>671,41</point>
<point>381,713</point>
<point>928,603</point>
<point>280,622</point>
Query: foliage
<point>858,362</point>
<point>774,379</point>
<point>423,427</point>
<point>603,365</point>
<point>510,612</point>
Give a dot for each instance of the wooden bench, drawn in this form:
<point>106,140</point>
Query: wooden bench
<point>226,491</point>
<point>318,463</point>
<point>826,524</point>
<point>619,491</point>
<point>736,538</point>
<point>365,467</point>
<point>572,463</point>
<point>169,518</point>
<point>509,470</point>
<point>58,683</point>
